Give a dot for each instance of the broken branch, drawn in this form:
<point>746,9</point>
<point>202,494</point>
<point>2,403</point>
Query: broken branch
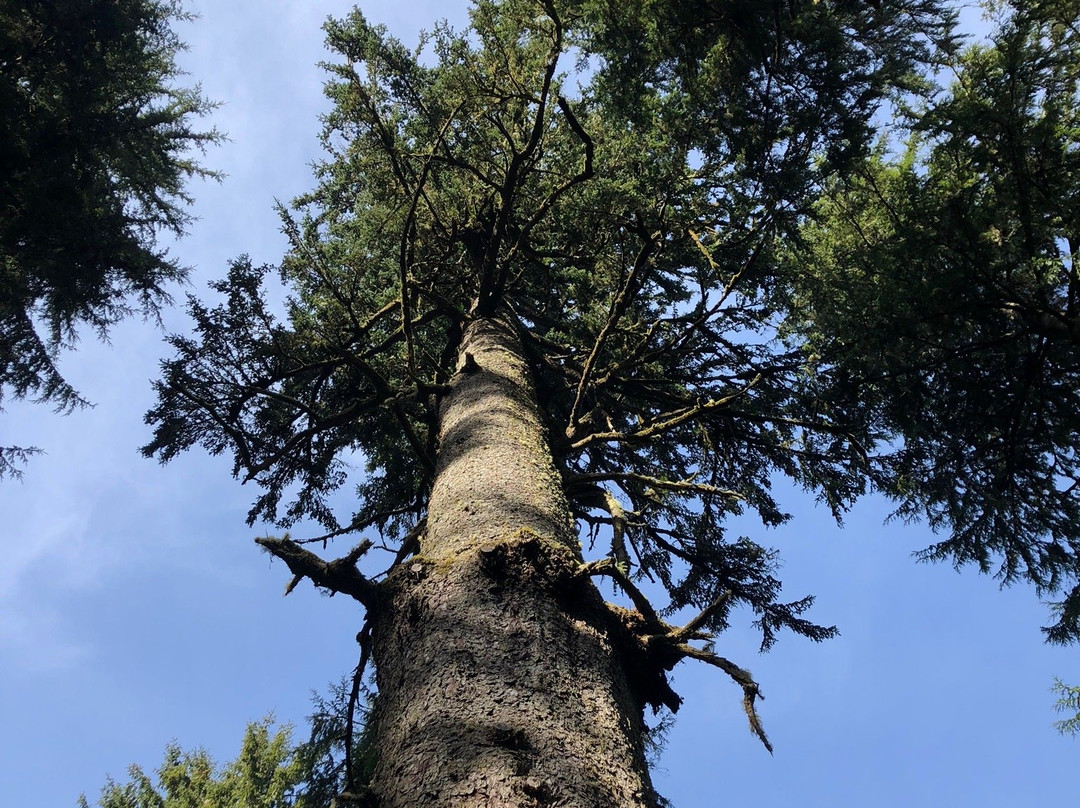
<point>340,575</point>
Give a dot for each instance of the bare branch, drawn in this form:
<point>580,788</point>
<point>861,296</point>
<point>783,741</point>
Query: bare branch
<point>491,286</point>
<point>742,677</point>
<point>666,421</point>
<point>340,575</point>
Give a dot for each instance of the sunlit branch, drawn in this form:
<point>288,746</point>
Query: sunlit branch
<point>682,486</point>
<point>618,532</point>
<point>619,306</point>
<point>665,422</point>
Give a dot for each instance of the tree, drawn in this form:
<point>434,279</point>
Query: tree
<point>1068,702</point>
<point>941,283</point>
<point>521,305</point>
<point>95,151</point>
<point>269,772</point>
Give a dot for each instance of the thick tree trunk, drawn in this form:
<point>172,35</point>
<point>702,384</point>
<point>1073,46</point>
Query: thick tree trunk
<point>499,682</point>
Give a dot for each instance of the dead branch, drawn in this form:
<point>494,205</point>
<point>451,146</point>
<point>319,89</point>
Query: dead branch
<point>742,677</point>
<point>340,575</point>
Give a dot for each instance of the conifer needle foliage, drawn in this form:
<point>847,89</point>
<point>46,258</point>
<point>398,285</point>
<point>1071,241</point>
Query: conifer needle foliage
<point>628,216</point>
<point>96,146</point>
<point>719,284</point>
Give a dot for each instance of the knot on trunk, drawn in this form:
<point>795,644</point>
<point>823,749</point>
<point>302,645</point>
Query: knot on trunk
<point>526,554</point>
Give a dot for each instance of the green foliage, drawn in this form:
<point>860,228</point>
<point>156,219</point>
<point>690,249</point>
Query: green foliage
<point>778,95</point>
<point>938,291</point>
<point>271,770</point>
<point>718,279</point>
<point>95,150</point>
<point>630,225</point>
<point>1068,702</point>
<point>268,773</point>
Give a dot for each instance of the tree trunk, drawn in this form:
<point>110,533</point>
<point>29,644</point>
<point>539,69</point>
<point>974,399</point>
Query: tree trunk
<point>500,682</point>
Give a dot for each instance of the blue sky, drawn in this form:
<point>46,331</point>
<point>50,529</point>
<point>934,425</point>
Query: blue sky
<point>135,608</point>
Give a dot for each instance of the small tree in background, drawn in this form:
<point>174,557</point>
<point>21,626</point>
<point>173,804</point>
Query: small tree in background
<point>268,773</point>
<point>271,770</point>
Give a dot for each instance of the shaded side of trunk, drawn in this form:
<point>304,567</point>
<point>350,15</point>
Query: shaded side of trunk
<point>498,681</point>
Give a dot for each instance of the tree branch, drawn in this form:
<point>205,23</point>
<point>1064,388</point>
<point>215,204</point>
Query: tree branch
<point>619,305</point>
<point>665,421</point>
<point>690,629</point>
<point>340,575</point>
<point>405,251</point>
<point>609,567</point>
<point>687,486</point>
<point>584,175</point>
<point>742,677</point>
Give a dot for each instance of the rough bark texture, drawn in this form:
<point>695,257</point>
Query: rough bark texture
<point>498,681</point>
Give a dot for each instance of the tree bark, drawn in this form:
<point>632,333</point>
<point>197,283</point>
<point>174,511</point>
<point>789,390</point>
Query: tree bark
<point>499,675</point>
